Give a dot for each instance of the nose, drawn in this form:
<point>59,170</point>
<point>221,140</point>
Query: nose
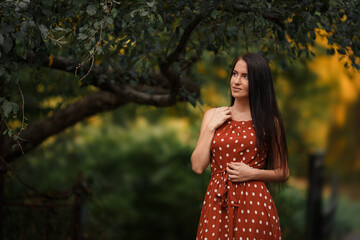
<point>237,79</point>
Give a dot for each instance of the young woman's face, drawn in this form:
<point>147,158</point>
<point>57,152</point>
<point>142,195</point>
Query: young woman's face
<point>239,83</point>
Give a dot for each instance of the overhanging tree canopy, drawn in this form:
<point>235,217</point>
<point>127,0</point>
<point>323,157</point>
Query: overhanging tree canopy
<point>142,51</point>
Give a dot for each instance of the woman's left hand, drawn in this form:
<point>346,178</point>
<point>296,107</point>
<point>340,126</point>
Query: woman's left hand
<point>240,172</point>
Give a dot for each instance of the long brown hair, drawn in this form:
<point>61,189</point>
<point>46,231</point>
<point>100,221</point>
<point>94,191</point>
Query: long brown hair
<point>265,112</point>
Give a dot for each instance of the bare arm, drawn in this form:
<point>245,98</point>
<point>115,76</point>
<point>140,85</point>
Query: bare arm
<point>200,157</point>
<point>266,175</point>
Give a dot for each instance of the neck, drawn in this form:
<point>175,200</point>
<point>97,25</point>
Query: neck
<point>241,107</point>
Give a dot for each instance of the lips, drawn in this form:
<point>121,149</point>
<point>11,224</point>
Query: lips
<point>236,89</point>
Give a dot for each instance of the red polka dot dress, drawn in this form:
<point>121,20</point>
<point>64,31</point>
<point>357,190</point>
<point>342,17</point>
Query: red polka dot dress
<point>236,210</point>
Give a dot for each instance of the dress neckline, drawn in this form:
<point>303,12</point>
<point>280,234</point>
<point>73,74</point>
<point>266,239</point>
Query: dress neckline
<point>245,121</point>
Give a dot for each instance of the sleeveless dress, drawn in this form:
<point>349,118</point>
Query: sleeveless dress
<point>236,210</point>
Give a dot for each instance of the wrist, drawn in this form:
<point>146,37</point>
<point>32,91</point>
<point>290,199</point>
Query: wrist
<point>255,174</point>
<point>210,128</point>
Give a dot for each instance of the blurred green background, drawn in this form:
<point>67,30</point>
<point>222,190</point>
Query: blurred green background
<point>136,159</point>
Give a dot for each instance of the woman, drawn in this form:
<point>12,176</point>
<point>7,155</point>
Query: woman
<point>245,145</point>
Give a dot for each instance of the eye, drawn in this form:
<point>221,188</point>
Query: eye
<point>234,73</point>
<point>246,76</point>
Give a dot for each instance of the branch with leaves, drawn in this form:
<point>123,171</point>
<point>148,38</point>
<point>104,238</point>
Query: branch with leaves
<point>143,51</point>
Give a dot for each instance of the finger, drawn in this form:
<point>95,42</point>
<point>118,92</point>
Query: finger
<point>231,167</point>
<point>226,112</point>
<point>233,171</point>
<point>237,163</point>
<point>230,170</point>
<point>232,176</point>
<point>235,167</point>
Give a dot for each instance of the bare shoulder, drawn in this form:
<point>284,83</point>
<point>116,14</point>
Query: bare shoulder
<point>207,117</point>
<point>209,113</point>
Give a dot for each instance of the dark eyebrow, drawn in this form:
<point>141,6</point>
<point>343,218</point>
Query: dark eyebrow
<point>242,73</point>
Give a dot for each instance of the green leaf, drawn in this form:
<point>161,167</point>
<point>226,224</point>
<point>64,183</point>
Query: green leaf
<point>59,29</point>
<point>99,50</point>
<point>92,32</point>
<point>152,19</point>
<point>109,20</point>
<point>150,4</point>
<point>7,108</point>
<point>83,28</point>
<point>215,14</point>
<point>143,12</point>
<point>91,9</point>
<point>82,36</point>
<point>268,5</point>
<point>160,20</point>
<point>132,14</point>
<point>13,147</point>
<point>97,25</point>
<point>8,44</point>
<point>43,30</point>
<point>114,12</point>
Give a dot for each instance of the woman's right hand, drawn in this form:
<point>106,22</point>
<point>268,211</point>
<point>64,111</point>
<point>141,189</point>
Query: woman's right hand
<point>221,114</point>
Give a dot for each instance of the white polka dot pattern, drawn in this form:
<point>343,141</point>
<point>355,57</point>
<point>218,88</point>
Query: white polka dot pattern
<point>234,210</point>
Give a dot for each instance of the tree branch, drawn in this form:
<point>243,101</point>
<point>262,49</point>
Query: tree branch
<point>173,78</point>
<point>38,132</point>
<point>183,40</point>
<point>158,95</point>
<point>112,95</point>
<point>133,94</point>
